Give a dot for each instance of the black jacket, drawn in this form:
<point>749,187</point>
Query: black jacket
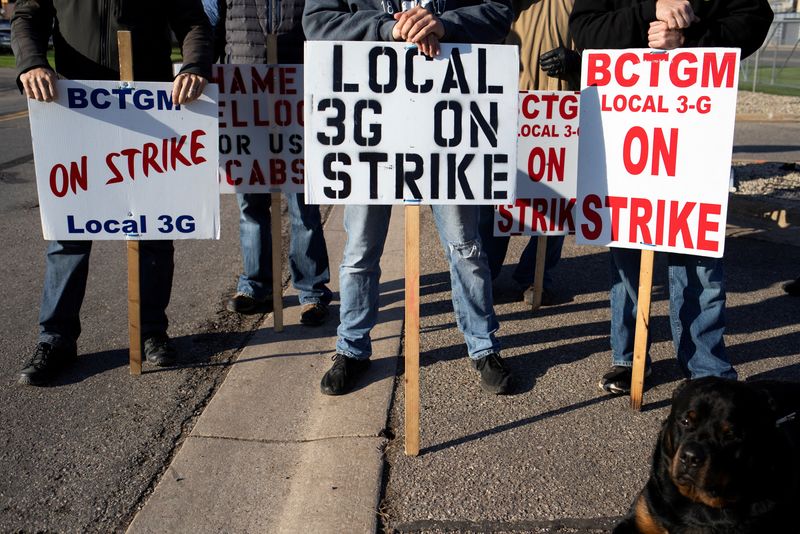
<point>85,37</point>
<point>624,23</point>
<point>470,21</point>
<point>248,22</point>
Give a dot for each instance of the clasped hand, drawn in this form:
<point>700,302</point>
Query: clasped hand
<point>421,27</point>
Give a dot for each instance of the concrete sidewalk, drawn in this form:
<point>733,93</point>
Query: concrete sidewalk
<point>270,453</point>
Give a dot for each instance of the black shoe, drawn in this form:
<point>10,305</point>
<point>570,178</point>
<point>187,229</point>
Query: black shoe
<point>247,305</point>
<point>342,376</point>
<point>495,378</point>
<point>45,364</point>
<point>792,288</point>
<point>617,380</point>
<point>160,351</point>
<point>313,314</point>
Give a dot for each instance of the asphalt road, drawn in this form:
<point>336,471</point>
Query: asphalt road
<point>80,456</point>
<point>760,141</point>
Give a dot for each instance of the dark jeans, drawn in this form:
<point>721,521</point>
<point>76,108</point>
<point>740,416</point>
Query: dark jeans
<point>66,271</point>
<point>497,246</point>
<point>308,254</point>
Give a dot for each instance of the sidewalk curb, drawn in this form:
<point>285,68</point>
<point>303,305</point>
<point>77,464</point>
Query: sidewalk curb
<point>270,453</point>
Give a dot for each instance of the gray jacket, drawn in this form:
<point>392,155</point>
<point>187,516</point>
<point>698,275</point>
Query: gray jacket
<point>478,21</point>
<point>247,23</point>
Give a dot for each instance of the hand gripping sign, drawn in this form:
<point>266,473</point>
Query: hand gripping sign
<point>260,128</point>
<point>655,151</point>
<point>547,166</point>
<point>386,125</point>
<point>119,160</point>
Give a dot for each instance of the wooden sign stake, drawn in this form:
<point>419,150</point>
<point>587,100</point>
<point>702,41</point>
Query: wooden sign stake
<point>642,328</point>
<point>275,218</point>
<point>538,273</point>
<point>125,46</point>
<point>411,378</point>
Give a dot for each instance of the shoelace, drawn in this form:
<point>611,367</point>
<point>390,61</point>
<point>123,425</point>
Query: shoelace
<point>41,355</point>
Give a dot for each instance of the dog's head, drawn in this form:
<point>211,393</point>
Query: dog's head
<point>715,444</point>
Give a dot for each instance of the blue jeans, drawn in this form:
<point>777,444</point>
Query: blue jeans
<point>496,248</point>
<point>359,277</point>
<point>696,311</point>
<point>308,254</point>
<point>66,271</point>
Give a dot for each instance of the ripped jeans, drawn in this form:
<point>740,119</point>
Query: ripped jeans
<point>359,277</point>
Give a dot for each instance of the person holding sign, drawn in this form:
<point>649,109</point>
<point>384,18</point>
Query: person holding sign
<point>426,25</point>
<point>548,62</point>
<point>697,285</point>
<point>86,49</point>
<point>246,30</point>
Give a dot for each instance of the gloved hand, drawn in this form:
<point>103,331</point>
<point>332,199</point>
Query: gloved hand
<point>560,61</point>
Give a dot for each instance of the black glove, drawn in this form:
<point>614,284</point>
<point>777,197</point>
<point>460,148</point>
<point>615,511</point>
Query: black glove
<point>560,61</point>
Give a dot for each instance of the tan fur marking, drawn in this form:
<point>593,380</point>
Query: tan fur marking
<point>645,521</point>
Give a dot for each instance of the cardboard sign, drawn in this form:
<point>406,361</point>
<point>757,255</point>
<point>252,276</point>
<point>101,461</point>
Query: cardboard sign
<point>655,151</point>
<point>119,160</point>
<point>260,128</point>
<point>547,166</point>
<point>387,125</point>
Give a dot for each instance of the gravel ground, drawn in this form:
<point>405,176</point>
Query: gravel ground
<point>774,180</point>
<point>761,103</point>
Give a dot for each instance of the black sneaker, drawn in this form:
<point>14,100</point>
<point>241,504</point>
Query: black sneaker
<point>617,380</point>
<point>495,378</point>
<point>792,288</point>
<point>247,305</point>
<point>45,364</point>
<point>342,376</point>
<point>313,314</point>
<point>160,351</point>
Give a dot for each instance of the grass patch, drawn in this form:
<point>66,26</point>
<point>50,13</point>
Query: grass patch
<point>7,60</point>
<point>787,81</point>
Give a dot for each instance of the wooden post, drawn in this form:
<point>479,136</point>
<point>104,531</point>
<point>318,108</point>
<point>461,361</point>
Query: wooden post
<point>538,273</point>
<point>134,292</point>
<point>275,218</point>
<point>411,379</point>
<point>642,328</point>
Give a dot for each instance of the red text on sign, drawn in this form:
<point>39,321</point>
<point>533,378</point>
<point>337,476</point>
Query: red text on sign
<point>659,222</point>
<point>684,69</point>
<point>160,158</point>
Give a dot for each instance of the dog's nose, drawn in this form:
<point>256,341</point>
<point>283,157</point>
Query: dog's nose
<point>692,455</point>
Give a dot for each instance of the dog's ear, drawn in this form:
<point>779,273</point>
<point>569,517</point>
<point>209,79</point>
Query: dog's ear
<point>679,390</point>
<point>665,438</point>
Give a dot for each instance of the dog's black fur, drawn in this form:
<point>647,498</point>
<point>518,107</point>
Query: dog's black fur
<point>727,461</point>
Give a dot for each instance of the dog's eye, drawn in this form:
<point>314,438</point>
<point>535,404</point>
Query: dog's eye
<point>685,421</point>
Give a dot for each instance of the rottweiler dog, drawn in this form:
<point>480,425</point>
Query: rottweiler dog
<point>727,461</point>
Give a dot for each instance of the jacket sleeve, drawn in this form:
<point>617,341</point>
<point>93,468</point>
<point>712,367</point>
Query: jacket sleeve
<point>31,27</point>
<point>744,24</point>
<point>486,23</point>
<point>597,24</point>
<point>333,20</point>
<point>190,24</point>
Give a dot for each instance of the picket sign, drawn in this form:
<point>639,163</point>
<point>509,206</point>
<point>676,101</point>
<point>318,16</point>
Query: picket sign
<point>547,173</point>
<point>276,219</point>
<point>142,168</point>
<point>125,46</point>
<point>387,125</point>
<point>657,130</point>
<point>411,340</point>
